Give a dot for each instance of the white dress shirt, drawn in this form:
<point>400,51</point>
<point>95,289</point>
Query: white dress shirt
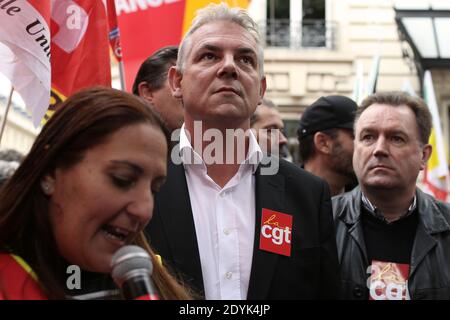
<point>224,221</point>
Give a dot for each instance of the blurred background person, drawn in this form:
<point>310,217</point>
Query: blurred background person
<point>7,169</point>
<point>11,155</point>
<point>151,84</point>
<point>84,190</point>
<point>9,162</point>
<point>325,135</point>
<point>266,123</point>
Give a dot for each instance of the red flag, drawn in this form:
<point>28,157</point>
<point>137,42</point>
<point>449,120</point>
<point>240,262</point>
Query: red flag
<point>43,6</point>
<point>80,48</point>
<point>17,280</point>
<point>145,28</point>
<point>114,34</point>
<point>25,52</point>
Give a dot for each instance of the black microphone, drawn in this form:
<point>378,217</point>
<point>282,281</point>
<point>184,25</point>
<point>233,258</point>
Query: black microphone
<point>131,270</point>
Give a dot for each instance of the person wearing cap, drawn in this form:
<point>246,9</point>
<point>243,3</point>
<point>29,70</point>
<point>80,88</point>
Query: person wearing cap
<point>268,126</point>
<point>325,135</point>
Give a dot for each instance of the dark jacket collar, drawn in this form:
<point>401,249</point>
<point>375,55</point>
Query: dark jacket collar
<point>178,219</point>
<point>430,213</point>
<point>351,200</point>
<point>269,193</point>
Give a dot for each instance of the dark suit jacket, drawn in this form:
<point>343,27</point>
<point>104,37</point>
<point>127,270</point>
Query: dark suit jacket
<point>312,270</point>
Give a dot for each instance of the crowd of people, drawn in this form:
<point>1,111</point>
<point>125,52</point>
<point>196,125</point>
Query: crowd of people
<point>106,171</point>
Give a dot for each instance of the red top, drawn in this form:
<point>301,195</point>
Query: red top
<point>17,280</point>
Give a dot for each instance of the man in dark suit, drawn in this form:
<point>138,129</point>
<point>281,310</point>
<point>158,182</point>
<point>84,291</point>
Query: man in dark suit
<point>233,225</point>
<point>151,83</point>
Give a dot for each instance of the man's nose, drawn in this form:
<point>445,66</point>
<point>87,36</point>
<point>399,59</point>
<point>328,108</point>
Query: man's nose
<point>228,67</point>
<point>282,138</point>
<point>381,147</point>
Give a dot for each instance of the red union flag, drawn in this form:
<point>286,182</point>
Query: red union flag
<point>114,34</point>
<point>25,51</point>
<point>146,26</point>
<point>80,47</point>
<point>276,232</point>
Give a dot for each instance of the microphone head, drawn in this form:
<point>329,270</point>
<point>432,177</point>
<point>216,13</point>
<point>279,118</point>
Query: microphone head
<point>127,261</point>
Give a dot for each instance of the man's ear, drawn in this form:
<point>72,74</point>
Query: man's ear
<point>48,184</point>
<point>145,92</point>
<point>322,142</point>
<point>426,154</point>
<point>175,78</point>
<point>262,89</point>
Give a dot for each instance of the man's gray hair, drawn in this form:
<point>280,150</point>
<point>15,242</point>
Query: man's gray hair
<point>221,12</point>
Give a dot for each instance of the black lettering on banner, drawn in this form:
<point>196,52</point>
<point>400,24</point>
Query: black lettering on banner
<point>10,9</point>
<point>32,30</point>
<point>32,25</point>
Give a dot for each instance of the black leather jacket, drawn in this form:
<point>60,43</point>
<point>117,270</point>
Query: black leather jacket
<point>429,276</point>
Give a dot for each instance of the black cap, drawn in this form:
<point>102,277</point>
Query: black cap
<point>327,113</point>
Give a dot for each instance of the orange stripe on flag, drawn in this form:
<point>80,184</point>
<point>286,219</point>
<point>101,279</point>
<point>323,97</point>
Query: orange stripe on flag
<point>193,5</point>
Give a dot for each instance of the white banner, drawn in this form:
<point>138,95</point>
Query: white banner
<point>25,54</point>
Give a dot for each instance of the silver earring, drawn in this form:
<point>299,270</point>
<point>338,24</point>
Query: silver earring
<point>46,187</point>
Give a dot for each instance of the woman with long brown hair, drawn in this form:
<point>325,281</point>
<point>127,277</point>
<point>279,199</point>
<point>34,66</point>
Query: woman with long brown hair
<point>84,190</point>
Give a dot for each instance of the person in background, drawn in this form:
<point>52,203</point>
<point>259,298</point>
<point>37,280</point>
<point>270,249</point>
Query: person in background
<point>83,191</point>
<point>11,155</point>
<point>151,84</point>
<point>267,123</point>
<point>9,161</point>
<point>233,229</point>
<point>393,239</point>
<point>325,135</point>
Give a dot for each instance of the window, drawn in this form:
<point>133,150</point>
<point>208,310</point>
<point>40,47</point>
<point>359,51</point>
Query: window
<point>296,24</point>
<point>313,23</point>
<point>278,23</point>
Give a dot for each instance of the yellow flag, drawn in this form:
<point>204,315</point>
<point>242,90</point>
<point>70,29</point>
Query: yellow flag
<point>436,177</point>
<point>193,5</point>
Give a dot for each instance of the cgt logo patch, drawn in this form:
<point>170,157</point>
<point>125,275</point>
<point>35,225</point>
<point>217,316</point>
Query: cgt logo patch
<point>276,232</point>
<point>388,281</point>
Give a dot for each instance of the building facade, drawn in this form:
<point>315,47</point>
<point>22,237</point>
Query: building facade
<point>320,47</point>
<point>19,133</point>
